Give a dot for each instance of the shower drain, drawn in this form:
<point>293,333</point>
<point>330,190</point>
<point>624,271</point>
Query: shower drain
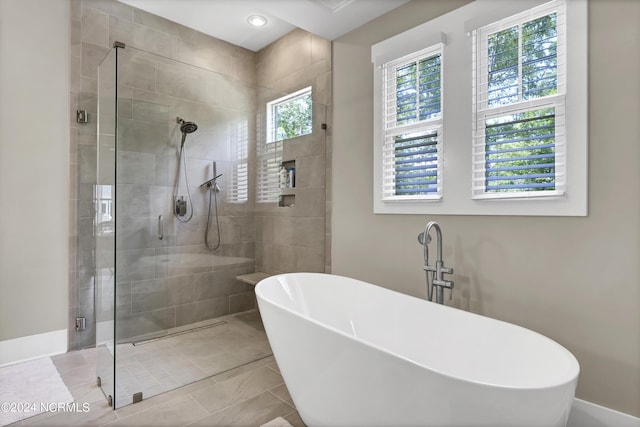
<point>174,334</point>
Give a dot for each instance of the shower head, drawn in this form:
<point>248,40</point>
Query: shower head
<point>188,127</point>
<point>185,128</point>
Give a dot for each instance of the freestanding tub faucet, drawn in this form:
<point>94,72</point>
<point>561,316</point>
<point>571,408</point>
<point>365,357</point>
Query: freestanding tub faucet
<point>438,270</point>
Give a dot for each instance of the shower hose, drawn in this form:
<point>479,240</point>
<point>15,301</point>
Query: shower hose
<point>183,162</point>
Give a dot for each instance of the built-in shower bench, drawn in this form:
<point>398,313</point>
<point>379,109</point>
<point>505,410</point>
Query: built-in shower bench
<point>253,278</point>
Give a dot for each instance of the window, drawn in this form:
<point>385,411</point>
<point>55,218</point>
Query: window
<point>412,126</point>
<point>289,116</point>
<point>511,136</point>
<point>519,88</point>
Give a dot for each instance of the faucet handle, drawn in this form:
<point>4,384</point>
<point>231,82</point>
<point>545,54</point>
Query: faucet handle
<point>445,284</point>
<point>446,270</point>
<point>430,268</point>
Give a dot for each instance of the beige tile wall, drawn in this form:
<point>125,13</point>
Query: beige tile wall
<point>294,238</point>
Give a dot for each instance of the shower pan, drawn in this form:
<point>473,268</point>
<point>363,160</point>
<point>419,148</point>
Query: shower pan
<point>168,309</point>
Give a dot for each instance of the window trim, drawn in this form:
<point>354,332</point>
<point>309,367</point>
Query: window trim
<point>427,125</point>
<point>482,111</point>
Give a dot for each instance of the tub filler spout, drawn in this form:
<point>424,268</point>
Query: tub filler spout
<point>438,270</point>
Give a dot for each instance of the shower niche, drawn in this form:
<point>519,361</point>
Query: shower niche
<point>287,184</point>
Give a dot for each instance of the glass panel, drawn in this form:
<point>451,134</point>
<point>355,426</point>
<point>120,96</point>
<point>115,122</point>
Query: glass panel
<point>104,225</point>
<point>406,93</point>
<point>531,47</point>
<point>418,90</point>
<point>181,315</point>
<point>146,143</point>
<point>429,87</point>
<point>540,57</point>
<point>271,155</point>
<point>170,309</point>
<point>290,115</point>
<point>416,163</point>
<point>503,61</point>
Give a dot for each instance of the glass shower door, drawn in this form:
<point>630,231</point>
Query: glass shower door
<point>144,226</point>
<point>169,305</point>
<point>132,208</point>
<point>104,227</point>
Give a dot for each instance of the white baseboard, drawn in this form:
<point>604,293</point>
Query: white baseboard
<point>32,347</point>
<point>587,414</point>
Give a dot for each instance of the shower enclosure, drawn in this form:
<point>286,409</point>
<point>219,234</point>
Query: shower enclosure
<point>166,305</point>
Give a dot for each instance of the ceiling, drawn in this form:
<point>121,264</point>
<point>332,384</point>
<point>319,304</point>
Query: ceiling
<point>227,19</point>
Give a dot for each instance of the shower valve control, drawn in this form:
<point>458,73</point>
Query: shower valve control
<point>181,206</point>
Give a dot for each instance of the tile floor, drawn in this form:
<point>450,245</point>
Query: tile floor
<point>248,395</point>
<point>184,356</point>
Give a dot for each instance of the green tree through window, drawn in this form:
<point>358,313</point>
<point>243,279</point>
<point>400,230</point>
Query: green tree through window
<point>520,152</point>
<point>293,117</point>
<point>523,55</point>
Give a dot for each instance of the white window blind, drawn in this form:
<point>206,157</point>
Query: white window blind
<point>269,158</point>
<point>412,148</point>
<point>238,191</point>
<point>269,161</point>
<point>519,105</point>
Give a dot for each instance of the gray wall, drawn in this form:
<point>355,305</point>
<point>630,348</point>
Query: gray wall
<point>34,167</point>
<point>575,280</point>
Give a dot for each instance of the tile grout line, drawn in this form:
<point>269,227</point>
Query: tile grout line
<point>295,411</point>
<point>207,413</point>
<point>279,398</point>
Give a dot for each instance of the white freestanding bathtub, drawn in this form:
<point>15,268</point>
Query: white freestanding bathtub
<point>355,354</point>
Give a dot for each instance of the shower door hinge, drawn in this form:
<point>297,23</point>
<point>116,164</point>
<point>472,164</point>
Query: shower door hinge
<point>81,323</point>
<point>98,381</point>
<point>82,116</point>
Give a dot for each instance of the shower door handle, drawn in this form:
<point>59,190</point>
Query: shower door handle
<point>160,227</point>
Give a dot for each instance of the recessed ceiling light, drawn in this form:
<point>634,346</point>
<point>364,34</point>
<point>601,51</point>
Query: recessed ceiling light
<point>257,20</point>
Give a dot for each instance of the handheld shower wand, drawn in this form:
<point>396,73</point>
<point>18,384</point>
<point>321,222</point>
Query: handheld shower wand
<point>214,189</point>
